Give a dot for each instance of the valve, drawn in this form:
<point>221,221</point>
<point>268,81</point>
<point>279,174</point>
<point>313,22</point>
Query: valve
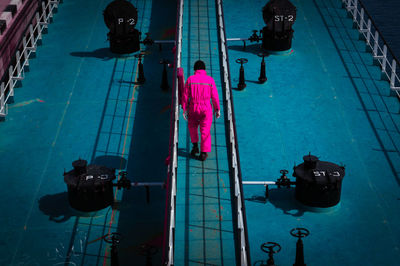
<point>147,40</point>
<point>270,248</point>
<point>301,232</point>
<point>255,37</point>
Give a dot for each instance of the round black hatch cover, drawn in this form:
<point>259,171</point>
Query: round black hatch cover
<point>90,187</point>
<point>318,183</point>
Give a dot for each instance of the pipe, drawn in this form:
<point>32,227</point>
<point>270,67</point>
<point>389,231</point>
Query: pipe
<point>265,183</point>
<point>164,41</point>
<point>144,184</point>
<point>237,39</point>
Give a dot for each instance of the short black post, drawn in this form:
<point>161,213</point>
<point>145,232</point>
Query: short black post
<point>141,79</point>
<point>263,77</point>
<point>266,192</point>
<point>270,248</point>
<point>114,255</point>
<point>241,84</point>
<point>113,239</point>
<point>301,232</point>
<point>164,81</point>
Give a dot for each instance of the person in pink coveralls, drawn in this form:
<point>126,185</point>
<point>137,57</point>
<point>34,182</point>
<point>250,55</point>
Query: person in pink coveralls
<point>199,90</point>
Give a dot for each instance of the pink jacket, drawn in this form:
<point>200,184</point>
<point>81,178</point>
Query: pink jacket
<point>199,89</point>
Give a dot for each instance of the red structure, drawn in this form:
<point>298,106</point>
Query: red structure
<point>17,14</point>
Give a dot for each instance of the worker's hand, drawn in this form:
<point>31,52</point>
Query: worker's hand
<point>185,115</point>
<point>218,113</point>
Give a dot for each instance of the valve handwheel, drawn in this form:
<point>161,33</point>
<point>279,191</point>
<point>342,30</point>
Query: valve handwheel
<point>284,172</point>
<point>241,61</point>
<point>271,247</point>
<point>141,54</point>
<point>263,54</point>
<point>301,232</point>
<point>113,238</point>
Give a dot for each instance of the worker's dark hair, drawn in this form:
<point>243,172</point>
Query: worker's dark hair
<point>199,65</point>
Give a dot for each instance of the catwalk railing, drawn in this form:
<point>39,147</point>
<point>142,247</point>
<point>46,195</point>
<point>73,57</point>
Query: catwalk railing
<point>29,45</point>
<point>375,41</point>
<point>169,248</point>
<point>242,243</point>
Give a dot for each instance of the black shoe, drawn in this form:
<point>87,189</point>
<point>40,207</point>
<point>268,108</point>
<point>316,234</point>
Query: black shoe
<point>195,150</point>
<point>203,156</point>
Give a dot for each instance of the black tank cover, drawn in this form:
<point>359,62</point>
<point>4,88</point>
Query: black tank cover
<point>121,17</point>
<point>90,187</point>
<point>318,183</point>
<point>279,15</point>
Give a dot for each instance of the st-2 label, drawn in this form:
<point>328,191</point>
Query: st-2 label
<point>282,18</point>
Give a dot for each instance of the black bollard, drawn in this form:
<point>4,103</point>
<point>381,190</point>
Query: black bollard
<point>164,81</point>
<point>241,84</point>
<point>301,232</point>
<point>113,239</point>
<point>270,248</point>
<point>141,79</point>
<point>263,77</point>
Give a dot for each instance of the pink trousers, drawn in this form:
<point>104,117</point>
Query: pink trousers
<point>204,120</point>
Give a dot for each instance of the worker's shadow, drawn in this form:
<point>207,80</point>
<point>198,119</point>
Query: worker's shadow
<point>101,53</point>
<point>57,207</point>
<point>281,198</point>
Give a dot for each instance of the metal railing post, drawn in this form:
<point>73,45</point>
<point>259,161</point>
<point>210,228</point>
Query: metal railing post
<point>18,64</point>
<point>393,75</point>
<point>2,101</point>
<point>362,20</point>
<point>44,14</point>
<point>25,49</point>
<point>10,81</point>
<point>369,31</point>
<point>355,11</point>
<point>384,58</point>
<point>376,37</point>
<point>39,26</point>
<point>32,38</point>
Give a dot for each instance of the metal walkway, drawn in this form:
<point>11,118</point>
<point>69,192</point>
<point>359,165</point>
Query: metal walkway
<point>204,223</point>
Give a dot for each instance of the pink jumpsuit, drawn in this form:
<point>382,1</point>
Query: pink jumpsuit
<point>198,91</point>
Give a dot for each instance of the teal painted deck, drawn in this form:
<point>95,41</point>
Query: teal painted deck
<point>204,226</point>
<point>326,98</point>
<point>80,100</point>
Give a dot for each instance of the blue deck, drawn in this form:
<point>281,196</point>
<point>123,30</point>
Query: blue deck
<point>327,98</point>
<point>79,100</point>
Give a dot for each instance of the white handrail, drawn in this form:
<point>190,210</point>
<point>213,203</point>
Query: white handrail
<point>22,58</point>
<point>379,53</point>
<point>235,170</point>
<point>174,149</point>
